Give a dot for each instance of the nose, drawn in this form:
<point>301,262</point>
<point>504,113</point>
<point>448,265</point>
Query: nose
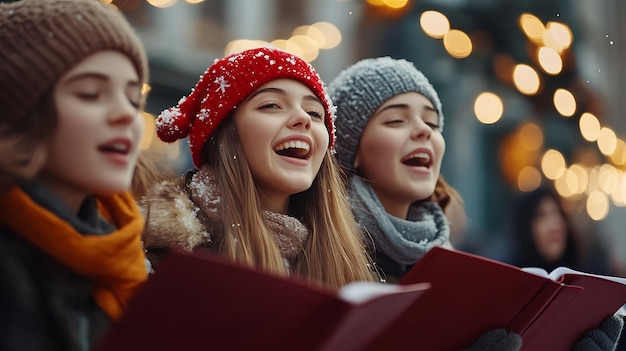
<point>300,119</point>
<point>122,110</point>
<point>420,129</point>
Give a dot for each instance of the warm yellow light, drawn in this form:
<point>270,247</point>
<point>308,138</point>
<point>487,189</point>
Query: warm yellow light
<point>549,60</point>
<point>566,184</point>
<point>395,4</point>
<point>300,30</point>
<point>308,47</point>
<point>597,205</point>
<point>558,36</point>
<point>608,178</point>
<point>594,180</point>
<point>582,178</point>
<point>618,157</point>
<point>312,32</point>
<point>589,126</point>
<point>526,79</point>
<point>331,34</point>
<point>528,179</point>
<point>240,45</point>
<point>553,164</point>
<point>194,1</point>
<point>564,102</point>
<point>162,3</point>
<point>149,131</point>
<point>532,27</point>
<point>488,108</point>
<point>619,197</point>
<point>435,24</point>
<point>531,136</point>
<point>607,141</point>
<point>289,46</point>
<point>457,43</point>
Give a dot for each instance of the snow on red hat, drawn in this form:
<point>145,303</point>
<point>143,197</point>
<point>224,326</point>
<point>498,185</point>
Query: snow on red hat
<point>225,85</point>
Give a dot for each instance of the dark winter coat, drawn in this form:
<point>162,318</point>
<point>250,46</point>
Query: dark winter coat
<point>44,306</point>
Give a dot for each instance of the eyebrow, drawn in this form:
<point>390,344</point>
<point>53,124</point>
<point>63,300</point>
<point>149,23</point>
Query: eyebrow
<point>405,106</point>
<point>98,76</point>
<point>308,97</point>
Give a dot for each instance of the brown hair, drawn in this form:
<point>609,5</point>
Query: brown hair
<point>148,172</point>
<point>334,254</point>
<point>444,193</point>
<point>23,142</point>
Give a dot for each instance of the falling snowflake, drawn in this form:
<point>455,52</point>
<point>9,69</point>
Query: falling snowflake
<point>222,82</point>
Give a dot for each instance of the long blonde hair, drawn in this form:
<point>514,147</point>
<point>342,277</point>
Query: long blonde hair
<point>334,254</point>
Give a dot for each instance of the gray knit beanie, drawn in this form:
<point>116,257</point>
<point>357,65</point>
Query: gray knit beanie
<point>40,40</point>
<point>361,88</point>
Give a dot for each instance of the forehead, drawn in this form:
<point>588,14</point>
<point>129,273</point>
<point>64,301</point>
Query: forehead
<point>411,99</point>
<point>288,85</point>
<point>109,63</point>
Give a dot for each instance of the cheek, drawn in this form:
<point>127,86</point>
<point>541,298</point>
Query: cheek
<point>439,145</point>
<point>376,157</point>
<point>73,128</point>
<point>140,124</point>
<point>322,138</point>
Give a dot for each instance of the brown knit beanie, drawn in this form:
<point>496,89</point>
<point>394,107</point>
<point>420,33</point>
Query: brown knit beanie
<point>40,40</point>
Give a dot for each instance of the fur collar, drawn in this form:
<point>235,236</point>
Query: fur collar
<point>170,217</point>
<point>185,213</point>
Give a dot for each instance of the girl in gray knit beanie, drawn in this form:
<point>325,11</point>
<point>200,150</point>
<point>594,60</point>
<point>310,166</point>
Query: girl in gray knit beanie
<point>389,127</point>
<point>389,140</point>
<point>71,79</point>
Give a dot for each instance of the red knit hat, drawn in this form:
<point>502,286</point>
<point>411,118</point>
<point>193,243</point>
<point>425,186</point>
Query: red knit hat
<point>226,84</point>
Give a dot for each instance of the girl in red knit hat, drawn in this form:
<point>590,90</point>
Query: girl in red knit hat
<point>71,76</point>
<point>266,190</point>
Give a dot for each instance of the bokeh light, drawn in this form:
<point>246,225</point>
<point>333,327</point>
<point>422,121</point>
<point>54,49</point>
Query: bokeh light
<point>549,60</point>
<point>564,102</point>
<point>488,108</point>
<point>435,24</point>
<point>589,126</point>
<point>607,141</point>
<point>526,79</point>
<point>457,43</point>
<point>553,164</point>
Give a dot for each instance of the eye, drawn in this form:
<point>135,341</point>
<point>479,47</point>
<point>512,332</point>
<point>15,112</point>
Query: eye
<point>316,114</point>
<point>88,96</point>
<point>394,121</point>
<point>269,105</point>
<point>433,126</point>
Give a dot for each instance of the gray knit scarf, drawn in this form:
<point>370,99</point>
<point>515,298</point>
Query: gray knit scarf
<point>403,240</point>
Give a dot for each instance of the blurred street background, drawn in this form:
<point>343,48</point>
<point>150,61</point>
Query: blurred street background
<point>532,90</point>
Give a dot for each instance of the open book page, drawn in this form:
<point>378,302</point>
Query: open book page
<point>557,273</point>
<point>537,271</point>
<point>363,291</point>
<point>560,271</point>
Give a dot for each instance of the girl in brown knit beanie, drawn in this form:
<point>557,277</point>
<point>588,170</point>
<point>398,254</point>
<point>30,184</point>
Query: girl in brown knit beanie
<point>71,77</point>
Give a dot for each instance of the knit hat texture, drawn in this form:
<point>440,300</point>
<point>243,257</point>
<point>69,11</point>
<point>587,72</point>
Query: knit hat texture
<point>40,40</point>
<point>225,85</point>
<point>359,90</point>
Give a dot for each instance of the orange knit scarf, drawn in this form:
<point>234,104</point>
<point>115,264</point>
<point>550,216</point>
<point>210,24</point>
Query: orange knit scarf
<point>114,263</point>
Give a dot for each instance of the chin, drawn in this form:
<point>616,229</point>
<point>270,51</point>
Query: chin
<point>299,187</point>
<point>112,187</point>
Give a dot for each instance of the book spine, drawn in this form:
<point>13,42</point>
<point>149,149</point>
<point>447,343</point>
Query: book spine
<point>531,311</point>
